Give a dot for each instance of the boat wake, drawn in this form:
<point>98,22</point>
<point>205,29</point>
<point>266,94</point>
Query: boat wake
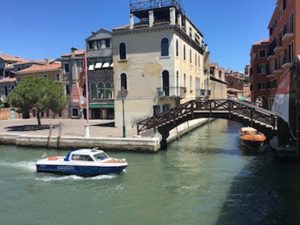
<point>49,178</point>
<point>25,165</point>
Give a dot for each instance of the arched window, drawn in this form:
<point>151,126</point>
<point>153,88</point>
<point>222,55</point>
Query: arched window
<point>123,51</point>
<point>123,81</point>
<point>93,91</point>
<point>165,47</point>
<point>108,90</point>
<point>100,91</point>
<point>177,48</point>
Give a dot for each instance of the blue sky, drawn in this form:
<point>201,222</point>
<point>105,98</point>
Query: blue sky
<point>38,29</point>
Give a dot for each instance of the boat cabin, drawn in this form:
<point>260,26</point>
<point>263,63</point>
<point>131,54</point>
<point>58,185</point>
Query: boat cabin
<point>86,155</point>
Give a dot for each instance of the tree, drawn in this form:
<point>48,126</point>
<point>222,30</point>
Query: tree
<point>38,93</point>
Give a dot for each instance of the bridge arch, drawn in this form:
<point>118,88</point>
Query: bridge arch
<point>244,113</point>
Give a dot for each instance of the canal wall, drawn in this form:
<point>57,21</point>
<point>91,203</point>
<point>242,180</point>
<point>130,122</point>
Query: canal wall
<point>134,144</point>
<point>186,128</point>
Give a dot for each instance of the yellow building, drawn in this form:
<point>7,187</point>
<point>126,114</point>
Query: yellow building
<point>159,61</point>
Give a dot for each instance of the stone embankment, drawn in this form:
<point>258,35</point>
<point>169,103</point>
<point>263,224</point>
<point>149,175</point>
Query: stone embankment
<point>72,136</point>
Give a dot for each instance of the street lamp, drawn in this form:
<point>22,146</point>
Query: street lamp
<point>123,111</point>
<point>87,125</point>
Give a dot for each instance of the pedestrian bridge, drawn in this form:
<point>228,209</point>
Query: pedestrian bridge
<point>242,112</point>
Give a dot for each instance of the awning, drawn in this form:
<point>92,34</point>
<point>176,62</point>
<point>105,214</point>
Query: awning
<point>112,65</point>
<point>98,66</point>
<point>101,106</point>
<point>91,67</point>
<point>106,65</point>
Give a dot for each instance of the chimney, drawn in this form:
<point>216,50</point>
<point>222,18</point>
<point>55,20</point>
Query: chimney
<point>131,21</point>
<point>73,52</point>
<point>151,18</point>
<point>46,61</point>
<point>179,20</point>
<point>172,16</point>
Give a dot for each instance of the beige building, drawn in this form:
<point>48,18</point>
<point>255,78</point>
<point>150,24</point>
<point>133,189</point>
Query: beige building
<point>158,62</point>
<point>218,84</point>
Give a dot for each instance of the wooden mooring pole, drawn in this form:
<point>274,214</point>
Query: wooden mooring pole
<point>59,135</point>
<point>50,134</point>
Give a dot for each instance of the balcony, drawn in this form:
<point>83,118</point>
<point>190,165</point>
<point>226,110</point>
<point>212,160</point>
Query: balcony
<point>278,48</point>
<point>286,63</point>
<point>171,92</point>
<point>202,93</point>
<point>288,33</point>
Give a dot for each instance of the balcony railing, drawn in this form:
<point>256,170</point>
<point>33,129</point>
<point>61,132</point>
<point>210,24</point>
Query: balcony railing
<point>171,92</point>
<point>144,5</point>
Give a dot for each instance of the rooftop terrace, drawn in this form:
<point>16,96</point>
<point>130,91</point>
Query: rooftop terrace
<point>145,5</point>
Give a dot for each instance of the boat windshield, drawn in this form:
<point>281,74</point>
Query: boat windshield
<point>101,156</point>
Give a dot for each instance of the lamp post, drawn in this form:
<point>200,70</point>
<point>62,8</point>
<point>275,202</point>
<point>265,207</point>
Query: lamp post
<point>87,125</point>
<point>123,111</point>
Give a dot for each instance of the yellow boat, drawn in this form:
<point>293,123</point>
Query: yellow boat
<point>250,137</point>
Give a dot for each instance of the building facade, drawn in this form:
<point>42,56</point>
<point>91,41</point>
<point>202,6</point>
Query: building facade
<point>272,59</point>
<point>158,61</point>
<point>100,75</point>
<point>7,84</point>
<point>49,71</point>
<point>218,84</point>
<point>73,75</point>
<point>235,85</point>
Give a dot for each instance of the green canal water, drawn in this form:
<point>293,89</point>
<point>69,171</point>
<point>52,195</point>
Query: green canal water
<point>205,178</point>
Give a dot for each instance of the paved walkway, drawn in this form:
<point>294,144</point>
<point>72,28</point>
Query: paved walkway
<point>71,127</point>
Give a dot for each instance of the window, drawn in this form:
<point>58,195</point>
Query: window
<point>108,91</point>
<point>166,82</point>
<point>75,112</point>
<point>164,47</point>
<point>191,60</point>
<point>166,107</point>
<point>195,59</point>
<point>82,157</point>
<point>156,110</point>
<point>68,92</point>
<point>184,52</point>
<point>191,32</point>
<point>57,77</point>
<point>123,81</point>
<point>93,91</point>
<point>177,48</point>
<point>91,45</point>
<point>45,76</point>
<point>262,69</point>
<point>107,43</point>
<point>123,51</point>
<point>67,68</point>
<point>262,53</point>
<point>262,86</point>
<point>292,23</point>
<point>98,44</point>
<point>100,91</point>
<point>284,4</point>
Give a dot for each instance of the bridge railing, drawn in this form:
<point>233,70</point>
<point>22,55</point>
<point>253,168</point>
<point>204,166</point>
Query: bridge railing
<point>165,117</point>
<point>247,110</point>
<point>231,107</point>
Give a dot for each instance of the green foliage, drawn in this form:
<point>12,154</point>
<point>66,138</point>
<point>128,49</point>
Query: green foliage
<point>39,93</point>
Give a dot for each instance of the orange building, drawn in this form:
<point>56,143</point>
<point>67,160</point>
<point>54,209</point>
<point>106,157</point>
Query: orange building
<point>271,59</point>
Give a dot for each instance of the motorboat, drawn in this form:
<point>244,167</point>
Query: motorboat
<point>82,162</point>
<point>251,138</point>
